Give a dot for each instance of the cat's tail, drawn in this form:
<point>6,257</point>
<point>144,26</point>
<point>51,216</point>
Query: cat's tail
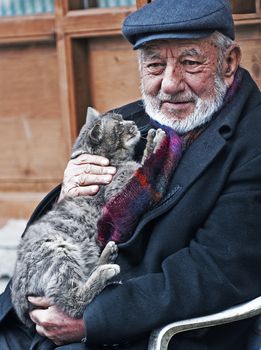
<point>74,300</point>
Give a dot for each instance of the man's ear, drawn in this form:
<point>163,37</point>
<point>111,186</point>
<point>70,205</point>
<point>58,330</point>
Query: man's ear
<point>231,62</point>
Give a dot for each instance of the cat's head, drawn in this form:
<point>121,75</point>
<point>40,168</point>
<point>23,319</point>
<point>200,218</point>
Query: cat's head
<point>106,135</point>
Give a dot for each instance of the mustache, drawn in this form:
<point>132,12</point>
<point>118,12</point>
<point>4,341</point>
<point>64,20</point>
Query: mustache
<point>177,98</point>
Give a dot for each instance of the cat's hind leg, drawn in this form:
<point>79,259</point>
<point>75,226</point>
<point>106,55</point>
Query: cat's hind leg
<point>101,277</point>
<point>79,297</point>
<point>109,253</point>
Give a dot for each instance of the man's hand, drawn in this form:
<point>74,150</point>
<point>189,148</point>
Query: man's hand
<point>52,323</point>
<point>84,174</point>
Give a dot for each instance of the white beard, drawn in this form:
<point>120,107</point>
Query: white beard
<point>203,112</point>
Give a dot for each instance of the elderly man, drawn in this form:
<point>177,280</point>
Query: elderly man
<point>198,250</point>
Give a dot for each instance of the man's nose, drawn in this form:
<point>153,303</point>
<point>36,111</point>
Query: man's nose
<point>172,81</point>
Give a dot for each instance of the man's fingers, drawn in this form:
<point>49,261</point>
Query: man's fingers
<point>48,332</point>
<point>83,191</point>
<point>57,326</point>
<point>36,316</point>
<point>73,190</point>
<point>40,302</point>
<point>84,174</point>
<point>40,330</point>
<point>42,318</point>
<point>75,170</point>
<point>90,169</point>
<point>86,180</point>
<point>33,317</point>
<point>92,179</point>
<point>90,159</point>
<point>98,170</point>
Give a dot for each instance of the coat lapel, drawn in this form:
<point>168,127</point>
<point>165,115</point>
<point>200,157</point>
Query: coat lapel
<point>197,158</point>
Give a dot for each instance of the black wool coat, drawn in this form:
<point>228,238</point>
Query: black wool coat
<point>197,252</point>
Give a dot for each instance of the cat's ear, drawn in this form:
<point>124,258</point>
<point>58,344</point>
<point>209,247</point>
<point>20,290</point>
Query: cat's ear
<point>96,134</point>
<point>92,117</point>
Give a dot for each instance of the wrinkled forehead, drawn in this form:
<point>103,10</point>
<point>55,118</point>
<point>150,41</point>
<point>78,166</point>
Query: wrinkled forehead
<point>173,48</point>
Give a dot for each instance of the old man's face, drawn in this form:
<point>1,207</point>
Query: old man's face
<point>181,83</point>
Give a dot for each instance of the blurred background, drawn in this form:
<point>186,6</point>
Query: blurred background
<point>22,7</point>
<point>56,59</point>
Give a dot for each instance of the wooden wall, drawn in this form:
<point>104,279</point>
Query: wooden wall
<point>30,117</point>
<point>51,68</point>
<point>113,73</point>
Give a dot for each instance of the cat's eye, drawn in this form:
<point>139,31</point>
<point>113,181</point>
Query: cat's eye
<point>120,127</point>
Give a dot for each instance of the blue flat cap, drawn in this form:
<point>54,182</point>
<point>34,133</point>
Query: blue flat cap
<point>178,19</point>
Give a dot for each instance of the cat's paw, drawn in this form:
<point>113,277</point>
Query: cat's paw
<point>154,141</point>
<point>149,145</point>
<point>112,251</point>
<point>109,253</point>
<point>108,271</point>
<point>158,139</point>
<point>150,137</point>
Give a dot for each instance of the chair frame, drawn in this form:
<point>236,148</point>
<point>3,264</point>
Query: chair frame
<point>161,337</point>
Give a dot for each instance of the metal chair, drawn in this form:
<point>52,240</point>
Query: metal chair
<point>160,338</point>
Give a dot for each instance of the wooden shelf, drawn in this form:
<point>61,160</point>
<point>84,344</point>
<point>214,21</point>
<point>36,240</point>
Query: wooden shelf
<point>27,28</point>
<point>250,19</point>
<point>245,7</point>
<point>100,21</point>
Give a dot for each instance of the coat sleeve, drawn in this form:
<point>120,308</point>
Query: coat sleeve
<point>219,268</point>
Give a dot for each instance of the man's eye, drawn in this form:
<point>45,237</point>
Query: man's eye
<point>191,63</point>
<point>155,67</point>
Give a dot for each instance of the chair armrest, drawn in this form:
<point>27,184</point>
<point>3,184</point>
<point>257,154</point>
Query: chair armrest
<point>160,338</point>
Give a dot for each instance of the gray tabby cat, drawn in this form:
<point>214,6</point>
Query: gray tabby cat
<point>59,256</point>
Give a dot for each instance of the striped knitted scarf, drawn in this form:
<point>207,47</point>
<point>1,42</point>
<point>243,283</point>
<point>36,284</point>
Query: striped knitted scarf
<point>144,190</point>
<point>149,183</point>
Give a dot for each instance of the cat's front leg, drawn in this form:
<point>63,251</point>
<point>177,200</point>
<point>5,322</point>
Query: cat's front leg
<point>109,254</point>
<point>154,141</point>
<point>149,145</point>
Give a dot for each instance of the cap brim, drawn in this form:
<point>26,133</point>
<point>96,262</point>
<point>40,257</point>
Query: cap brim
<point>147,38</point>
